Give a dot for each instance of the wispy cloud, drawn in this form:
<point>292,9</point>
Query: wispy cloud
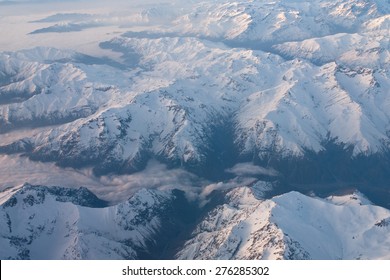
<point>236,182</point>
<point>249,169</point>
<point>15,171</point>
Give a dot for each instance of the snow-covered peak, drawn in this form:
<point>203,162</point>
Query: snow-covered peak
<point>31,195</point>
<point>184,89</point>
<point>44,54</point>
<point>290,226</point>
<point>347,231</point>
<point>58,223</point>
<point>275,21</point>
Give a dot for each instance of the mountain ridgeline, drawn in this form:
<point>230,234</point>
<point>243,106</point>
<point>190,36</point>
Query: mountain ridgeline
<point>57,223</point>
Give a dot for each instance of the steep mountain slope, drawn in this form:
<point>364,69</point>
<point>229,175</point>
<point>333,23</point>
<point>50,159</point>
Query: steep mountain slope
<point>171,117</point>
<point>46,86</point>
<point>173,97</point>
<point>260,24</point>
<point>173,105</point>
<point>57,223</point>
<point>290,226</point>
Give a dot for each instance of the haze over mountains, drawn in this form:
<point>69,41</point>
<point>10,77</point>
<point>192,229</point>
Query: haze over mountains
<point>218,98</point>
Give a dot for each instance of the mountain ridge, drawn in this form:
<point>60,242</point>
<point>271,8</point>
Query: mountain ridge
<point>244,225</point>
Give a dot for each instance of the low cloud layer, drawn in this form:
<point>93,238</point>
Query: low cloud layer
<point>248,169</point>
<point>15,171</point>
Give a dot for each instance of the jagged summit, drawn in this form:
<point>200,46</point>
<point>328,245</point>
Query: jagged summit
<point>36,195</point>
<point>58,223</point>
<point>185,91</point>
<point>154,224</point>
<point>290,226</point>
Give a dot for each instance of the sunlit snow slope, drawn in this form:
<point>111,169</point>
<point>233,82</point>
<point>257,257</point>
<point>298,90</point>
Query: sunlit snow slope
<point>304,75</point>
<point>57,223</point>
<point>291,226</point>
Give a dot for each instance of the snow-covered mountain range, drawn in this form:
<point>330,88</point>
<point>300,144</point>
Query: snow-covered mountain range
<point>173,93</point>
<point>290,226</point>
<point>299,89</point>
<point>57,223</point>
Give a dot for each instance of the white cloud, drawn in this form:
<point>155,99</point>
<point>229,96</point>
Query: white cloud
<point>249,169</point>
<point>15,171</point>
